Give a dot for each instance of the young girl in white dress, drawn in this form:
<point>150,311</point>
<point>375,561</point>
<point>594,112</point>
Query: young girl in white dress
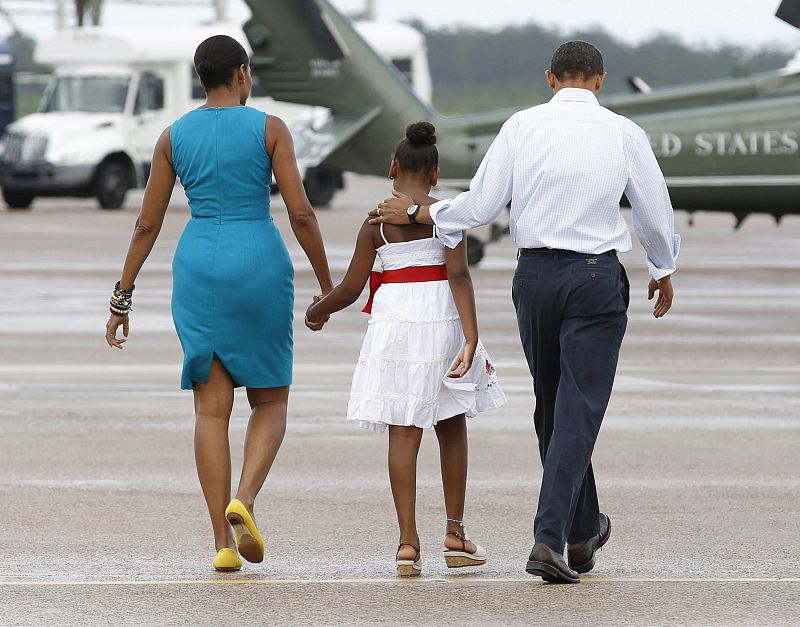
<point>422,364</point>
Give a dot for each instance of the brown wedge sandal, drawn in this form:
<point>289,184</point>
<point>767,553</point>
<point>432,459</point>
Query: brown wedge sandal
<point>459,559</point>
<point>409,568</point>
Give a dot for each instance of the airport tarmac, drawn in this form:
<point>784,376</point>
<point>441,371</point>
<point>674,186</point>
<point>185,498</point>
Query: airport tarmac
<point>102,519</point>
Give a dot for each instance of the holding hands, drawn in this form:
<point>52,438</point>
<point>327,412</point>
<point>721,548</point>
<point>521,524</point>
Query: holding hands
<point>312,322</point>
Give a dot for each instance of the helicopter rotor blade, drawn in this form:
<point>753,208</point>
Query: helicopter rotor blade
<point>789,12</point>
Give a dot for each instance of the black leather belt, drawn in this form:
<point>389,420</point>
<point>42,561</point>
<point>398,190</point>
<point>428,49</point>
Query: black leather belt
<point>558,252</point>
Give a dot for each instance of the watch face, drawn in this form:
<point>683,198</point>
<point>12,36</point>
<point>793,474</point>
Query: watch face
<point>412,209</point>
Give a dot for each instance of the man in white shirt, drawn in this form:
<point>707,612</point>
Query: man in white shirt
<point>564,166</point>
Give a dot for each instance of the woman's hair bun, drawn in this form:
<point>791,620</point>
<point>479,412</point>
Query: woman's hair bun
<point>205,69</point>
<point>421,134</point>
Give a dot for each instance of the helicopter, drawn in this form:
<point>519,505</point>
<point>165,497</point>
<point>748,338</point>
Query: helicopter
<point>724,146</point>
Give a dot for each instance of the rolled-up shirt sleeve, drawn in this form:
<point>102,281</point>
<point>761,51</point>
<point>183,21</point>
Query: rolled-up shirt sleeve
<point>653,217</point>
<point>489,191</point>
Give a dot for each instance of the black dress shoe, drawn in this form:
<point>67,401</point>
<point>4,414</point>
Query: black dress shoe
<point>581,556</point>
<point>550,566</point>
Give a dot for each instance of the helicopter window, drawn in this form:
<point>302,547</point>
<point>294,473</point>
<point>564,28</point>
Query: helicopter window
<point>150,96</point>
<point>405,66</point>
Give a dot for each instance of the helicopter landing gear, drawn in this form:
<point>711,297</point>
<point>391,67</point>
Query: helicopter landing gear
<point>475,250</point>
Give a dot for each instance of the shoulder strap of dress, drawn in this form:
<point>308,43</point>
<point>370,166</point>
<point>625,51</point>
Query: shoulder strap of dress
<point>382,235</point>
<point>433,235</point>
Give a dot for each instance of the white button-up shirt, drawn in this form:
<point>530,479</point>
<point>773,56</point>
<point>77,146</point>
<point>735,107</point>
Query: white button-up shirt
<point>564,166</point>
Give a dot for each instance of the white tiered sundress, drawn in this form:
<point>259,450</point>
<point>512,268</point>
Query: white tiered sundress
<point>413,338</point>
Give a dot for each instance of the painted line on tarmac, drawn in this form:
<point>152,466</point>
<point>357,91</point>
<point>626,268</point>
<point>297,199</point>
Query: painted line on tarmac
<point>422,580</point>
<point>310,368</point>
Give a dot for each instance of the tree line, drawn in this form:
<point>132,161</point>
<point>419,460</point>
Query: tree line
<point>475,69</point>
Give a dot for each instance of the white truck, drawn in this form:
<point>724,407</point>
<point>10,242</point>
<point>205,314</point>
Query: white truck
<point>114,91</point>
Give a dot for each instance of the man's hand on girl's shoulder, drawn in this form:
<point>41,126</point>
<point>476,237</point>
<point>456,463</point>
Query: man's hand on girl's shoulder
<point>392,210</point>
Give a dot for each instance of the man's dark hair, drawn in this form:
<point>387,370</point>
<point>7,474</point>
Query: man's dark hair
<point>576,59</point>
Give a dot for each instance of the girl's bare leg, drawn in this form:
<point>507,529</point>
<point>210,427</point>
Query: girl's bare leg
<point>452,435</point>
<point>213,402</point>
<point>265,433</point>
<point>403,449</point>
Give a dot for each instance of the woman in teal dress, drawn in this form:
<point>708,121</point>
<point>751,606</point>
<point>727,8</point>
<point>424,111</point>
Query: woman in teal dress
<point>233,281</point>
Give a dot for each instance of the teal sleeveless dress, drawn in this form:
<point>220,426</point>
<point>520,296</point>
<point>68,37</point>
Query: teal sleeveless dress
<point>232,277</point>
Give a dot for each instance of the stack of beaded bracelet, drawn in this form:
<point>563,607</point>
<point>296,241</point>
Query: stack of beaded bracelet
<point>121,301</point>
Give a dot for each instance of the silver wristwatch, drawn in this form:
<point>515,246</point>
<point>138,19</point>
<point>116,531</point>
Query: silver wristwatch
<point>412,212</point>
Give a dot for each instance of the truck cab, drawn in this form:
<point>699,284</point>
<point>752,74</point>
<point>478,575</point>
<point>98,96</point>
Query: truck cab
<point>112,94</point>
<point>89,137</point>
<point>114,91</point>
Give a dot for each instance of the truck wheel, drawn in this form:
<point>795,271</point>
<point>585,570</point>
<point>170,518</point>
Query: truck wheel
<point>111,184</point>
<point>321,185</point>
<point>17,200</point>
<point>475,250</point>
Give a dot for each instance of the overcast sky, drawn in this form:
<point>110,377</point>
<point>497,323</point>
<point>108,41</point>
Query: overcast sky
<point>748,22</point>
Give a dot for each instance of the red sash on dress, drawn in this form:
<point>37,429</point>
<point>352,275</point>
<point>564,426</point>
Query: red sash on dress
<point>413,274</point>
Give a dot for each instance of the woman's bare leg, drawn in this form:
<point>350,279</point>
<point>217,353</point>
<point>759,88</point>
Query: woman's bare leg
<point>265,433</point>
<point>213,402</point>
<point>452,435</point>
<point>403,449</point>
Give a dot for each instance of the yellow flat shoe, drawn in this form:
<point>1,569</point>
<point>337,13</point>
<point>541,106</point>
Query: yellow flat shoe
<point>248,539</point>
<point>226,561</point>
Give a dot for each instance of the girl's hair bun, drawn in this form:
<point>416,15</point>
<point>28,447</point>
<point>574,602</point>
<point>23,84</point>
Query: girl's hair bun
<point>421,134</point>
<point>418,152</point>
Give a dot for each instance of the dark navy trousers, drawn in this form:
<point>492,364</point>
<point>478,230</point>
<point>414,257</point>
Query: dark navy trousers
<point>572,314</point>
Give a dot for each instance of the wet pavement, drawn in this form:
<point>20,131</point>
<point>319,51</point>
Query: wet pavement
<point>102,520</point>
